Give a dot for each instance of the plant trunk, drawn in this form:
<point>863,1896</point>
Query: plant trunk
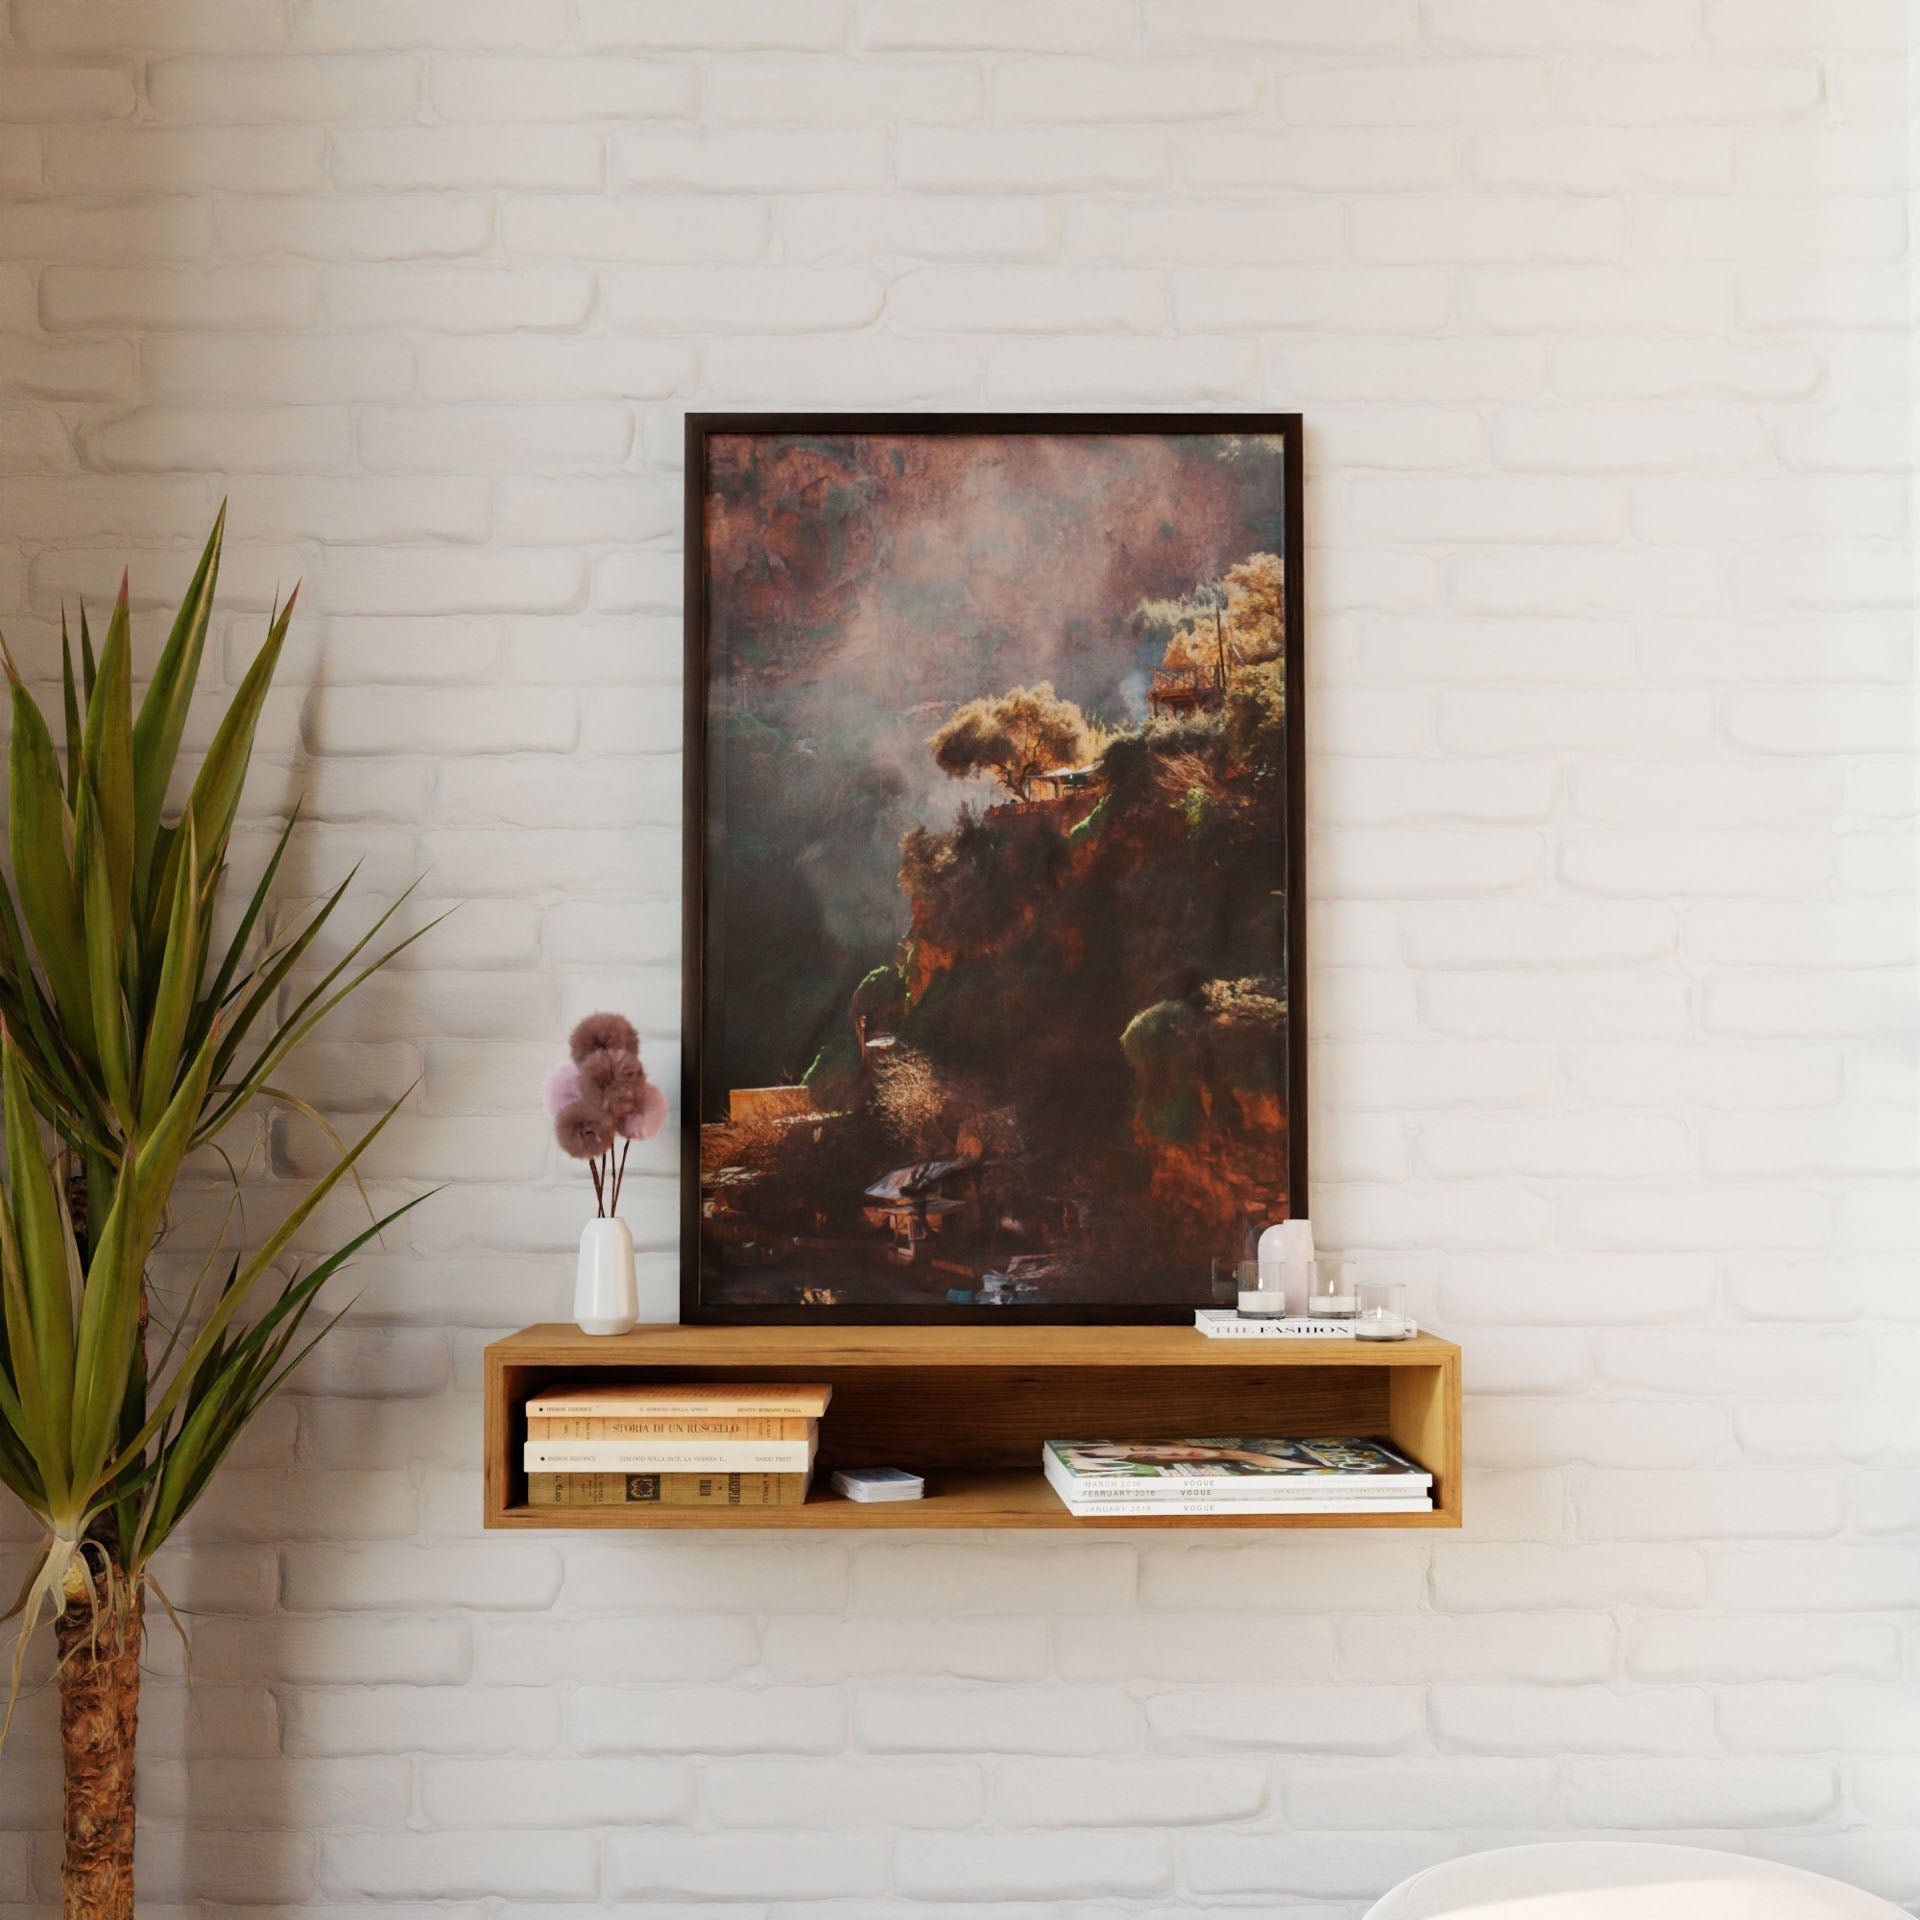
<point>99,1650</point>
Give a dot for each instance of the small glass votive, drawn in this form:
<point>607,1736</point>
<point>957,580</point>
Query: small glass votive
<point>1330,1294</point>
<point>1382,1311</point>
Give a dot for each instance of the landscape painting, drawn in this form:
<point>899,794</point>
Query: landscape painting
<point>994,944</point>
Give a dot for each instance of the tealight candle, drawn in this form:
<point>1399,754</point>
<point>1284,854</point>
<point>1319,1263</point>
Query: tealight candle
<point>1332,1296</point>
<point>1383,1311</point>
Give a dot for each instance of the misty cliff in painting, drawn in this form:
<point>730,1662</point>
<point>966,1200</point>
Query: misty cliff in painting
<point>994,997</point>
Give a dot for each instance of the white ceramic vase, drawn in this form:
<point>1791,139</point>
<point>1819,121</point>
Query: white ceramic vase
<point>605,1298</point>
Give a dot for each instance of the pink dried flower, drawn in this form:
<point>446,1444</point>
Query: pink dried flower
<point>603,1032</point>
<point>582,1130</point>
<point>562,1088</point>
<point>646,1119</point>
<point>613,1081</point>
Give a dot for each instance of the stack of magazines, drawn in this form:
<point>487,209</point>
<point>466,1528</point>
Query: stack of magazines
<point>1117,1478</point>
<point>612,1444</point>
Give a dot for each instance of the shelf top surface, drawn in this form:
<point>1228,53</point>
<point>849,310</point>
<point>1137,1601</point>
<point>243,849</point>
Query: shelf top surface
<point>559,1344</point>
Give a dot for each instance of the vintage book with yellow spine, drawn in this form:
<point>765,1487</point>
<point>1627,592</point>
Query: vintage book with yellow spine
<point>666,1489</point>
<point>687,1400</point>
<point>668,1456</point>
<point>732,1426</point>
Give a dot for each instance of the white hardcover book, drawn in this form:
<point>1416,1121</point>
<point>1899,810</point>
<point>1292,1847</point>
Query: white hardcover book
<point>1222,1324</point>
<point>1368,1492</point>
<point>1192,1492</point>
<point>1226,1509</point>
<point>668,1456</point>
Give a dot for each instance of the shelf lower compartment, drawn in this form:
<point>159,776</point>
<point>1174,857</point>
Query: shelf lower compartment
<point>1007,1498</point>
<point>969,1408</point>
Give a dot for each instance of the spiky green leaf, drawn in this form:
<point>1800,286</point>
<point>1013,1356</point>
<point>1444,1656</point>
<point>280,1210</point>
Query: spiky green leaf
<point>178,987</point>
<point>70,700</point>
<point>163,713</point>
<point>36,1217</point>
<point>39,836</point>
<point>108,758</point>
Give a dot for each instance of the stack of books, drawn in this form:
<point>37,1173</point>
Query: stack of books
<point>1116,1478</point>
<point>609,1444</point>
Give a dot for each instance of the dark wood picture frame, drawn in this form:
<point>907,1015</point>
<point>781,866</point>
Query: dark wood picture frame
<point>700,428</point>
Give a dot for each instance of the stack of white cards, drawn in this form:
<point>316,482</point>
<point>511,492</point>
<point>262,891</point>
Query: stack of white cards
<point>879,1483</point>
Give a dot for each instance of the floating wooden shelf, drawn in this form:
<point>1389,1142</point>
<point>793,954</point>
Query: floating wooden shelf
<point>970,1406</point>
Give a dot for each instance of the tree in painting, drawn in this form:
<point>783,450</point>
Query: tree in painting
<point>996,820</point>
<point>1014,736</point>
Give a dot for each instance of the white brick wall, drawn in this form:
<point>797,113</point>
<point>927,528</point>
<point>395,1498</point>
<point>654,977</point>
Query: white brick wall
<point>1599,313</point>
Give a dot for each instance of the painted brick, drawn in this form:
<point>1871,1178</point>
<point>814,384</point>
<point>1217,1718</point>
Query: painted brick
<point>823,1794</point>
<point>615,1720</point>
<point>465,158</point>
<point>515,89</point>
<point>743,299</point>
<point>1135,1646</point>
<point>1414,94</point>
<point>1641,1794</point>
<point>736,1866</point>
<point>809,1648</point>
<point>1686,92</point>
<point>481,1795</point>
<point>836,93</point>
<point>357,227</point>
<point>997,26</point>
<point>1027,160</point>
<point>460,1865</point>
<point>1546,1647</point>
<point>1736,1647</point>
<point>771,160</point>
<point>1283,1720</point>
<point>1472,1577</point>
<point>1570,1720</point>
<point>1448,1792</point>
<point>1040,1866</point>
<point>205,159</point>
<point>226,297</point>
<point>1001,1719</point>
<point>1338,1866</point>
<point>364,25</point>
<point>1126,1793</point>
<point>220,90</point>
<point>455,298</point>
<point>400,1719</point>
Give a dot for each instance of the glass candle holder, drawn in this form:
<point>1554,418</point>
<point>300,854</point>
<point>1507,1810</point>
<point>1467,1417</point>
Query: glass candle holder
<point>1330,1294</point>
<point>1382,1311</point>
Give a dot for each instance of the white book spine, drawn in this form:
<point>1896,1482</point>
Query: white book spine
<point>668,1456</point>
<point>1218,1509</point>
<point>1196,1490</point>
<point>1188,1493</point>
<point>730,1406</point>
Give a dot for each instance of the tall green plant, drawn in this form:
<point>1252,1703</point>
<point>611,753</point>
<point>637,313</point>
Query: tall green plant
<point>133,1037</point>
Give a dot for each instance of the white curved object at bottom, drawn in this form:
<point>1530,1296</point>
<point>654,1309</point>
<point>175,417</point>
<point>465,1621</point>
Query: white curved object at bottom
<point>1623,1880</point>
<point>605,1299</point>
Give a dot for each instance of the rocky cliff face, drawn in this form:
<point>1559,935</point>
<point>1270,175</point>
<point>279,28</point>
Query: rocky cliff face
<point>1108,967</point>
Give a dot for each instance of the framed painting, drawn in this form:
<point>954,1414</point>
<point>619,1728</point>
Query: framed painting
<point>995,952</point>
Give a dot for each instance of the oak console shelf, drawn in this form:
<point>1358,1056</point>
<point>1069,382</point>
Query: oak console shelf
<point>970,1406</point>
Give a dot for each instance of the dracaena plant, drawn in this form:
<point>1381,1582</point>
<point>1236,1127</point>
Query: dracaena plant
<point>128,1038</point>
